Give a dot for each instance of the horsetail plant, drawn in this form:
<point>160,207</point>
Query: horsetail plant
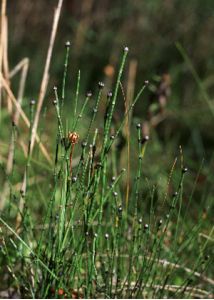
<point>87,243</point>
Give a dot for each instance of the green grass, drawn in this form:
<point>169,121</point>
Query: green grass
<point>77,237</point>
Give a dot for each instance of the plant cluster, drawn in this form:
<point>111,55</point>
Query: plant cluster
<point>95,240</point>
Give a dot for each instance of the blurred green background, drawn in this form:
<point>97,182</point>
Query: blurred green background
<point>98,30</point>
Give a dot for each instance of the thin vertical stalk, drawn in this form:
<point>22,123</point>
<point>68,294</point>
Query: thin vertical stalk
<point>45,77</point>
<point>67,45</point>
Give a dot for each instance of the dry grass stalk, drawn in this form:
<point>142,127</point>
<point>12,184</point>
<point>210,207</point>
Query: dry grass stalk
<point>189,290</point>
<point>206,237</point>
<point>165,263</point>
<point>23,66</point>
<point>45,78</point>
<point>5,63</point>
<point>5,49</point>
<point>42,92</point>
<point>3,13</point>
<point>24,117</point>
<point>11,150</point>
<point>2,21</point>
